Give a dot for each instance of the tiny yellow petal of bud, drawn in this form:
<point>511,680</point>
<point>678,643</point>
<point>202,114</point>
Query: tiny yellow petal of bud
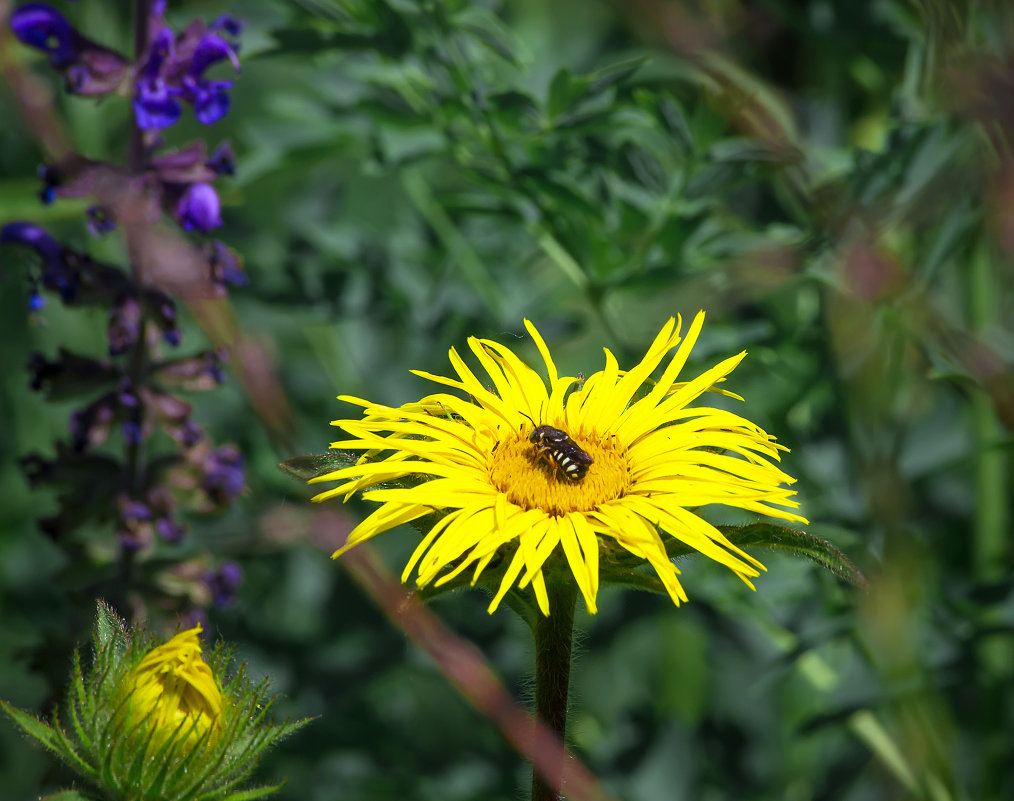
<point>173,690</point>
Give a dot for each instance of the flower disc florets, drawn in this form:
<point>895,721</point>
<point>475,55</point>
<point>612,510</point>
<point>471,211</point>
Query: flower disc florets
<point>509,488</point>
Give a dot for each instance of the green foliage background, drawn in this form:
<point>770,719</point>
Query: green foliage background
<point>831,181</point>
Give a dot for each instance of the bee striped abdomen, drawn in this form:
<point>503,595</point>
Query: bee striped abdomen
<point>564,454</point>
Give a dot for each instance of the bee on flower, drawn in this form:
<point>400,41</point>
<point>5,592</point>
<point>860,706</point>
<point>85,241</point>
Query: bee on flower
<point>630,462</point>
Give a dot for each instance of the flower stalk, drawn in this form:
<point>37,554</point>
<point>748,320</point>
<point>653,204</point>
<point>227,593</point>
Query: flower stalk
<point>554,637</point>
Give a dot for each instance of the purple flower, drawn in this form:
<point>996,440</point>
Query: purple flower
<point>210,98</point>
<point>132,511</point>
<point>124,324</point>
<point>174,69</point>
<point>25,233</point>
<point>90,426</point>
<point>56,274</point>
<point>225,266</point>
<point>51,179</point>
<point>223,583</point>
<point>162,311</point>
<point>89,68</point>
<point>199,209</point>
<point>99,222</point>
<point>194,617</point>
<point>169,530</point>
<point>46,29</point>
<point>155,105</point>
<point>222,161</point>
<point>229,24</point>
<point>189,434</point>
<point>223,474</point>
<point>130,542</point>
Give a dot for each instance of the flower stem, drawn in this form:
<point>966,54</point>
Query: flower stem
<point>554,636</point>
<point>136,158</point>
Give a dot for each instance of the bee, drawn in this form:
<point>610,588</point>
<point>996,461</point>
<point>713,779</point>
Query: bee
<point>563,453</point>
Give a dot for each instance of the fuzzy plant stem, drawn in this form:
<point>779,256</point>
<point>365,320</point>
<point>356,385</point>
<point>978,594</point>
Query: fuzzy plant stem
<point>554,636</point>
<point>136,163</point>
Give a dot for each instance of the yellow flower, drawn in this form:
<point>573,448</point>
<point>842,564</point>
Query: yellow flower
<point>172,690</point>
<point>653,460</point>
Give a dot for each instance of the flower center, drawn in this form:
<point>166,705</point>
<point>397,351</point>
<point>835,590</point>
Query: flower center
<point>529,480</point>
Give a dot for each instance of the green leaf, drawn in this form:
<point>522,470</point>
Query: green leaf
<point>490,30</point>
<point>797,543</point>
<point>108,626</point>
<point>743,149</point>
<point>675,121</point>
<point>614,74</point>
<point>254,792</point>
<point>34,727</point>
<point>308,467</point>
<point>66,795</point>
<point>565,90</point>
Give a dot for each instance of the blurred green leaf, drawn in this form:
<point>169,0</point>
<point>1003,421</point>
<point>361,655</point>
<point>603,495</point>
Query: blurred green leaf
<point>33,727</point>
<point>490,30</point>
<point>797,543</point>
<point>307,467</point>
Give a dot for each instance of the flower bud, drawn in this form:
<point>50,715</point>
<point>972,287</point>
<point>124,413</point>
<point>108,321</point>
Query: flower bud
<point>159,722</point>
<point>199,208</point>
<point>172,694</point>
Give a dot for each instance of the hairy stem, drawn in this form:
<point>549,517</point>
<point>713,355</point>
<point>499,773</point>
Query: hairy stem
<point>554,636</point>
<point>136,163</point>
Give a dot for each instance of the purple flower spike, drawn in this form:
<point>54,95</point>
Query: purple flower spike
<point>199,209</point>
<point>223,583</point>
<point>46,29</point>
<point>36,302</point>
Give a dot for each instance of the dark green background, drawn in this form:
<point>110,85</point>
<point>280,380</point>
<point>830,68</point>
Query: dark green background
<point>829,180</point>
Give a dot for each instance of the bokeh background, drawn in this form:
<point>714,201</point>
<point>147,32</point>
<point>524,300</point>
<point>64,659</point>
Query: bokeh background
<point>831,181</point>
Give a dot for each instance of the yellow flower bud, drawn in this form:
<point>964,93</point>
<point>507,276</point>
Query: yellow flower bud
<point>173,691</point>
